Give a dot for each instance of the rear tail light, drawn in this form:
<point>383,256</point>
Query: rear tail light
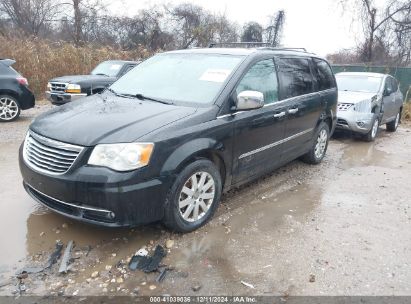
<point>22,81</point>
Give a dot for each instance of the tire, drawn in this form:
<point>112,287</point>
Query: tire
<point>9,108</point>
<point>182,219</point>
<point>319,145</point>
<point>393,125</point>
<point>372,134</point>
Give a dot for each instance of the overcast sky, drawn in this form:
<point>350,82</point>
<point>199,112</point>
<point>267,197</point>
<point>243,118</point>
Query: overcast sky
<point>318,25</point>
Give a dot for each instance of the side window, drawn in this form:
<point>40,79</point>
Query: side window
<point>388,84</point>
<point>325,78</point>
<point>394,84</point>
<point>295,76</point>
<point>127,69</point>
<point>261,77</point>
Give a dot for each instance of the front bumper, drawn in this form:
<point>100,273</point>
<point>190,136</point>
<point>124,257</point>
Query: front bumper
<point>354,121</point>
<point>98,195</point>
<point>62,98</point>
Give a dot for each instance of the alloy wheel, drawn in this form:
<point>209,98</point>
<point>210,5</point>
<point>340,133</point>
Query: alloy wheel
<point>321,144</point>
<point>397,120</point>
<point>374,129</point>
<point>8,108</point>
<point>196,196</point>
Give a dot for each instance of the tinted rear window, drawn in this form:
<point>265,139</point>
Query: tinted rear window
<point>295,77</point>
<point>324,74</point>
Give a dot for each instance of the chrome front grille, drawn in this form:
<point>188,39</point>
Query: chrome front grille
<point>344,106</point>
<point>47,155</point>
<point>58,87</point>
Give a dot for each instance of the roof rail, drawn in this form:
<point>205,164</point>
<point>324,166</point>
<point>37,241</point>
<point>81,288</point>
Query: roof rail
<point>239,44</point>
<point>260,45</point>
<point>285,49</point>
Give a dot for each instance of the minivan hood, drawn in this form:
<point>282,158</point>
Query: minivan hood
<point>98,119</point>
<point>81,78</point>
<point>354,97</point>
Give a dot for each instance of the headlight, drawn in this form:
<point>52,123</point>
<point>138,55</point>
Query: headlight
<point>121,157</point>
<point>48,86</point>
<point>73,88</point>
<point>363,106</point>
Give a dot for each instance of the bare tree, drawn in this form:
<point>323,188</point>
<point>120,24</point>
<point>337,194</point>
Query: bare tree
<point>30,16</point>
<point>375,23</point>
<point>401,27</point>
<point>192,25</point>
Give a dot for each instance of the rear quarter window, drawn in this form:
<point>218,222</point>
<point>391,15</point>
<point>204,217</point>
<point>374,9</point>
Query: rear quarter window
<point>295,76</point>
<point>324,75</point>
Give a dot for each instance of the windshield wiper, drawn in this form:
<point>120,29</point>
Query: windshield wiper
<point>120,94</point>
<point>101,74</point>
<point>138,96</point>
<point>143,97</point>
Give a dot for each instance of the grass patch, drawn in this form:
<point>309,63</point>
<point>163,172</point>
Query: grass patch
<point>406,111</point>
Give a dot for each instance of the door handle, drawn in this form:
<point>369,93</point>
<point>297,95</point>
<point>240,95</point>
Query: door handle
<point>293,111</point>
<point>278,115</point>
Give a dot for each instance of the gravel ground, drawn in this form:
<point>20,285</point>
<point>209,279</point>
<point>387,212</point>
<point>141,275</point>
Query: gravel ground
<point>339,228</point>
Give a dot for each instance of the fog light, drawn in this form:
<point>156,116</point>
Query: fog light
<point>360,124</point>
<point>112,215</point>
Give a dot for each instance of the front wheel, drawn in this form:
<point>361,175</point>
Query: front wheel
<point>194,197</point>
<point>319,146</point>
<point>393,125</point>
<point>372,134</point>
<point>9,108</point>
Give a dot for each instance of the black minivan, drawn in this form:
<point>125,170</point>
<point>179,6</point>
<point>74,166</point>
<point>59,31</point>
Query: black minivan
<point>169,137</point>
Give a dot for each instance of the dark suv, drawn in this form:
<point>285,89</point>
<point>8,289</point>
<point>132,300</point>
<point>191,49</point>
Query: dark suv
<point>64,89</point>
<point>14,92</point>
<point>182,127</point>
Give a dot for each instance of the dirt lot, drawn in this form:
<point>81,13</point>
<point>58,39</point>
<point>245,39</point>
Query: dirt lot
<point>339,228</point>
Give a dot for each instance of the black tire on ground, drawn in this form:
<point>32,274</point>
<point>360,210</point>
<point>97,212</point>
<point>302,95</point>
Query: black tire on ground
<point>174,214</point>
<point>12,105</point>
<point>372,134</point>
<point>319,145</point>
<point>393,125</point>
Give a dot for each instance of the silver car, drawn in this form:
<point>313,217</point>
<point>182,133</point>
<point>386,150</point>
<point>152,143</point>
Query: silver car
<point>366,101</point>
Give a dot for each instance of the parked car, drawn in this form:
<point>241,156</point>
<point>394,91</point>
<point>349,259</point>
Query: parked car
<point>69,88</point>
<point>166,139</point>
<point>14,92</point>
<point>366,101</point>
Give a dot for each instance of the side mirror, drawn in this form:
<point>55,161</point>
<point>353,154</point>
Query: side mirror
<point>249,100</point>
<point>387,92</point>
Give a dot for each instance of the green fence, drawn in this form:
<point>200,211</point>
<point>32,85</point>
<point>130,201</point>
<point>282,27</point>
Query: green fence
<point>403,75</point>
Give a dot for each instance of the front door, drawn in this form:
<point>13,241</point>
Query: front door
<point>388,100</point>
<point>258,133</point>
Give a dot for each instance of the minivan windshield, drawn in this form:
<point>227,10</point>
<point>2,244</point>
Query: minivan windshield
<point>358,83</point>
<point>174,77</point>
<point>108,68</point>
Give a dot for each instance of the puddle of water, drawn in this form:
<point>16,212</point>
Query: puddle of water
<point>16,207</point>
<point>360,154</point>
<point>256,215</point>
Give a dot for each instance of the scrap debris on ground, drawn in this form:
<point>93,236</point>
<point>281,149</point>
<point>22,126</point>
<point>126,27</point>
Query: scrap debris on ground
<point>142,260</point>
